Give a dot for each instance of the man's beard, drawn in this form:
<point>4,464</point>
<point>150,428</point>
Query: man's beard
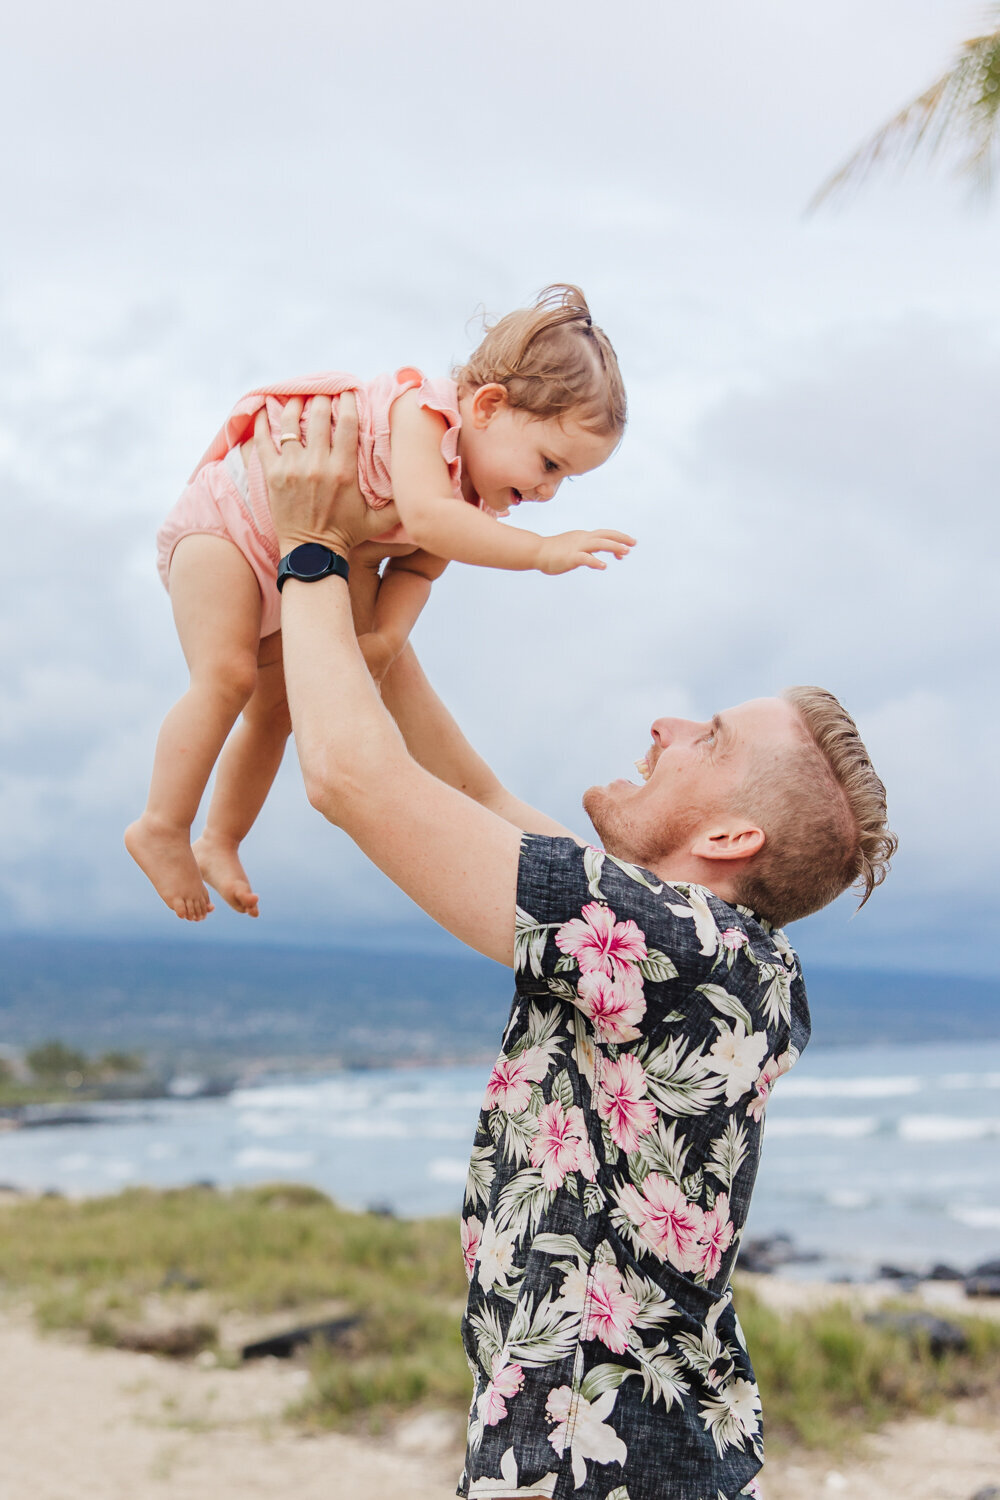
<point>639,840</point>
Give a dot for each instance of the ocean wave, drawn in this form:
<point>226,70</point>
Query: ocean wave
<point>836,1126</point>
<point>848,1198</point>
<point>946,1128</point>
<point>889,1087</point>
<point>448,1169</point>
<point>262,1156</point>
<point>976,1218</point>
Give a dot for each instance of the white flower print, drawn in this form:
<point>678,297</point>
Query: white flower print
<point>505,1486</point>
<point>591,1436</point>
<point>705,926</point>
<point>736,1057</point>
<point>496,1255</point>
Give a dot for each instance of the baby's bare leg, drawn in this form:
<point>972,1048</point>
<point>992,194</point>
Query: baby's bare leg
<point>216,603</point>
<point>247,767</point>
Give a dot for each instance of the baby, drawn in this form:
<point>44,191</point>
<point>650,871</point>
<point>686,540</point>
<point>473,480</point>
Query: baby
<point>540,399</point>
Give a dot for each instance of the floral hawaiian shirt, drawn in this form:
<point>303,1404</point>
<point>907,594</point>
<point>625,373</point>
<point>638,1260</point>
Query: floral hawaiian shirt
<point>609,1185</point>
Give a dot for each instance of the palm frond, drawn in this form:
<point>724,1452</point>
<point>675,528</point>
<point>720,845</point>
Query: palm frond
<point>960,111</point>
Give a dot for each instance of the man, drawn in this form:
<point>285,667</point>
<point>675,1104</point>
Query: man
<point>656,1003</point>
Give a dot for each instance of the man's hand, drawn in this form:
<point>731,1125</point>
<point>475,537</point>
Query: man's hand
<point>313,486</point>
<point>576,549</point>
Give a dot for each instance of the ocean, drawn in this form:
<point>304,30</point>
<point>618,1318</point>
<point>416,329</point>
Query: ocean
<point>886,1153</point>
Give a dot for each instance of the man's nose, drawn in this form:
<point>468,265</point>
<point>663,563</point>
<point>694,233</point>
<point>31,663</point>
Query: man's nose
<point>668,731</point>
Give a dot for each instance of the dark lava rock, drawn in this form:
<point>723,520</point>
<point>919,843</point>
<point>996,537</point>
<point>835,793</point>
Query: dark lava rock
<point>982,1286</point>
<point>991,1492</point>
<point>284,1345</point>
<point>987,1268</point>
<point>896,1273</point>
<point>180,1281</point>
<point>942,1337</point>
<point>765,1254</point>
<point>944,1273</point>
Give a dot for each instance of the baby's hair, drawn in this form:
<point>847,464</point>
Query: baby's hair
<point>553,361</point>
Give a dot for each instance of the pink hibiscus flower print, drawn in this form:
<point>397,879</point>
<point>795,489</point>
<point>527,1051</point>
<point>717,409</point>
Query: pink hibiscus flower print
<point>509,1086</point>
<point>670,1225</point>
<point>610,1310</point>
<point>620,1101</point>
<point>586,1161</point>
<point>600,944</point>
<point>767,1078</point>
<point>613,1005</point>
<point>733,939</point>
<point>506,1383</point>
<point>716,1236</point>
<point>556,1146</point>
<point>472,1233</point>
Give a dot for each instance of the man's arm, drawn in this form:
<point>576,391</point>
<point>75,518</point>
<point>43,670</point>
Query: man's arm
<point>435,740</point>
<point>452,856</point>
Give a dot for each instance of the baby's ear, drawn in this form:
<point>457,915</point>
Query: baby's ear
<point>487,401</point>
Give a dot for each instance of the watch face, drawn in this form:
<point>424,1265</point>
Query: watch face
<point>309,560</point>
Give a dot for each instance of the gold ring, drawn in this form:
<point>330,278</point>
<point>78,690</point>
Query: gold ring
<point>289,437</point>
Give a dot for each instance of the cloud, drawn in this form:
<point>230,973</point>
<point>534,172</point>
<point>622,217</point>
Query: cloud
<point>810,461</point>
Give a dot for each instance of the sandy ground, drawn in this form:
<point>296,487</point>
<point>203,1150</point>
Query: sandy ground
<point>78,1423</point>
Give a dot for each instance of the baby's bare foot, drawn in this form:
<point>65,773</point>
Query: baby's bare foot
<point>164,855</point>
<point>218,860</point>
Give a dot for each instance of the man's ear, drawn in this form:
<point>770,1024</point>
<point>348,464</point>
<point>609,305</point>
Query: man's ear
<point>487,401</point>
<point>733,841</point>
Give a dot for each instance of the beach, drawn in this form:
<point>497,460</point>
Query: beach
<point>79,1423</point>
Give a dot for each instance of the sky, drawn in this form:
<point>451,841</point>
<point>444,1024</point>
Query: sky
<point>203,198</point>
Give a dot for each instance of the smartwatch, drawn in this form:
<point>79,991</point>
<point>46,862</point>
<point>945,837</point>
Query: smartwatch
<point>310,561</point>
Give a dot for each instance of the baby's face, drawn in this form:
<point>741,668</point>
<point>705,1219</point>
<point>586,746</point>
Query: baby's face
<point>509,456</point>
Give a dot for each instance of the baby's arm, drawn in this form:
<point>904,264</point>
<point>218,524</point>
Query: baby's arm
<point>403,591</point>
<point>422,492</point>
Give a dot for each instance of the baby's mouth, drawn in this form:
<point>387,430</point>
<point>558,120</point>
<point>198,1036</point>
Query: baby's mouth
<point>516,496</point>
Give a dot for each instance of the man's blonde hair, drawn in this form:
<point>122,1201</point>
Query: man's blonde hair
<point>553,361</point>
<point>823,811</point>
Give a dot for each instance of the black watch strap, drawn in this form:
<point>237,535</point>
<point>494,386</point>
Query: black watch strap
<point>309,562</point>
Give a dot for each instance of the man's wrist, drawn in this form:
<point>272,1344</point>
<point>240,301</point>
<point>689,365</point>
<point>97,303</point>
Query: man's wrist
<point>308,562</point>
<point>289,540</point>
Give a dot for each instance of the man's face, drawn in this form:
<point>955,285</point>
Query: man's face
<point>693,773</point>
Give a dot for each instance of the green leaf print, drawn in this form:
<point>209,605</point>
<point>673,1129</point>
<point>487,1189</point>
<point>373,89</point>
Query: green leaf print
<point>522,1202</point>
<point>562,989</point>
<point>562,1089</point>
<point>653,1308</point>
<point>593,864</point>
<point>481,1174</point>
<point>634,873</point>
<point>562,1244</point>
<point>543,1334</point>
<point>727,1004</point>
<point>604,1378</point>
<point>776,1002</point>
<point>728,1152</point>
<point>593,1199</point>
<point>661,1377</point>
<point>520,1132</point>
<point>663,1152</point>
<point>657,967</point>
<point>529,942</point>
<point>488,1334</point>
<point>678,1081</point>
<point>564,965</point>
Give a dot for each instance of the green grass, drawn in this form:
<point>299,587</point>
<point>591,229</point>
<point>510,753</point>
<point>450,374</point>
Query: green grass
<point>95,1265</point>
<point>828,1375</point>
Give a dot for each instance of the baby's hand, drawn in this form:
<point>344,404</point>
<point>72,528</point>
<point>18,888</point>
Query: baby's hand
<point>378,653</point>
<point>577,549</point>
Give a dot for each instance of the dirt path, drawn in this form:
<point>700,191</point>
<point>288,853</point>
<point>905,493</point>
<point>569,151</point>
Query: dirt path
<point>78,1423</point>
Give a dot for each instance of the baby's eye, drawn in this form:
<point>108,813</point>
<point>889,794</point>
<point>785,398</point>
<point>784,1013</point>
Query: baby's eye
<point>550,467</point>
